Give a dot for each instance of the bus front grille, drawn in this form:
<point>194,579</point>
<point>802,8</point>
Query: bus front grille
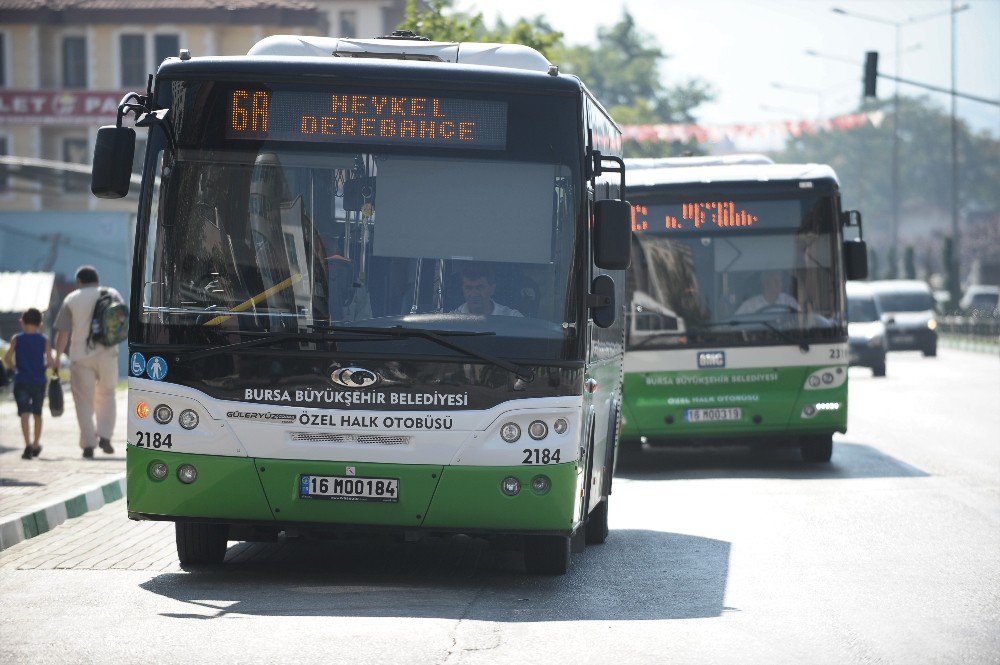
<point>364,439</point>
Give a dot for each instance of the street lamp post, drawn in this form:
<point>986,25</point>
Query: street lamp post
<point>897,27</point>
<point>956,255</point>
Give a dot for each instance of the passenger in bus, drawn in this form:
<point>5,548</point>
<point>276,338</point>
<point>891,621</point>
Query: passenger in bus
<point>772,297</point>
<point>478,287</point>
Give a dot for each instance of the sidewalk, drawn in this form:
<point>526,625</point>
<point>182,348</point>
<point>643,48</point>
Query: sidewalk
<point>38,495</point>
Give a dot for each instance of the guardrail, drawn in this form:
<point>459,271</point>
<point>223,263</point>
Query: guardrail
<point>970,333</point>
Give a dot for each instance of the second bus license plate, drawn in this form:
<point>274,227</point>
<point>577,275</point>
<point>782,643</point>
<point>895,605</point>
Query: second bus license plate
<point>713,415</point>
<point>349,488</point>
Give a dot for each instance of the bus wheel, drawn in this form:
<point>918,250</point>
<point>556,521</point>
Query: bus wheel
<point>597,524</point>
<point>546,555</point>
<point>879,369</point>
<point>818,448</point>
<point>199,543</point>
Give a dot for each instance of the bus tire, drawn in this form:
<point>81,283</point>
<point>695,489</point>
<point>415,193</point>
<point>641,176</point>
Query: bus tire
<point>546,555</point>
<point>817,448</point>
<point>930,351</point>
<point>597,524</point>
<point>879,369</point>
<point>199,543</point>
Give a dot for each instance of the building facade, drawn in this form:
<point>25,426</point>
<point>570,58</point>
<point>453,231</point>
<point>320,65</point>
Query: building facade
<point>65,65</point>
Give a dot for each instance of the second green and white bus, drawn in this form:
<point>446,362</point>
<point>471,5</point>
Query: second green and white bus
<point>737,330</point>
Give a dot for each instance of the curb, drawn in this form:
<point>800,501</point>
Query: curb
<point>22,526</point>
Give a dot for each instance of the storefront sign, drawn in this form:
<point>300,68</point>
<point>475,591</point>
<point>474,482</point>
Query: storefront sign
<point>59,107</point>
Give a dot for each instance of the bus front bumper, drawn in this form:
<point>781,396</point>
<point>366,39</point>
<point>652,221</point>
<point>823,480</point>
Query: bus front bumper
<point>266,492</point>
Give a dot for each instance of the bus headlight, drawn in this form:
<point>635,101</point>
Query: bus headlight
<point>188,419</point>
<point>510,433</point>
<point>932,324</point>
<point>163,414</point>
<point>560,426</point>
<point>538,430</point>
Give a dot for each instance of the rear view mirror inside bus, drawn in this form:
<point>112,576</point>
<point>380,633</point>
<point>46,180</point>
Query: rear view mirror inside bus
<point>112,171</point>
<point>612,234</point>
<point>856,259</point>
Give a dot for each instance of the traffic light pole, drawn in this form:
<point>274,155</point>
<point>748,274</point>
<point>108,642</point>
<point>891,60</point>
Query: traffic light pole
<point>947,91</point>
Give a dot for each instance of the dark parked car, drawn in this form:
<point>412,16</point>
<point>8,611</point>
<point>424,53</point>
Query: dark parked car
<point>907,307</point>
<point>865,329</point>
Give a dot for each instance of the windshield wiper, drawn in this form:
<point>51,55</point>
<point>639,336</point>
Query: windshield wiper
<point>801,343</point>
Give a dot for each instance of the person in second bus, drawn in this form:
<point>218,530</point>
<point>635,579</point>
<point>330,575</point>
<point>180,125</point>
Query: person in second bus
<point>772,295</point>
<point>478,287</point>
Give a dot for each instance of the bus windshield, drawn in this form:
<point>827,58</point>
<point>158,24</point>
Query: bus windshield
<point>737,272</point>
<point>278,234</point>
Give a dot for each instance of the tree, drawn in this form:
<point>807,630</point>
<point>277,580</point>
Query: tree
<point>862,158</point>
<point>623,72</point>
<point>622,69</point>
<point>440,22</point>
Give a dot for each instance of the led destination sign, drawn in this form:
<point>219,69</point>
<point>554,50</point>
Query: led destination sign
<point>718,215</point>
<point>386,119</point>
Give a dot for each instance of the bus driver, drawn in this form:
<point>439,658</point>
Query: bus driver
<point>772,295</point>
<point>478,286</point>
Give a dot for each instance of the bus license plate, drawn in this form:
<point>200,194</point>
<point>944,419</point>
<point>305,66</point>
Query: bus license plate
<point>712,415</point>
<point>349,488</point>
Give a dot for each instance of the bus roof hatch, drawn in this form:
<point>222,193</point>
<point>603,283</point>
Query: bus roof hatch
<point>513,56</point>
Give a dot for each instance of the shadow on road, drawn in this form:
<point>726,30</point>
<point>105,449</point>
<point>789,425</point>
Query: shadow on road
<point>635,575</point>
<point>850,460</point>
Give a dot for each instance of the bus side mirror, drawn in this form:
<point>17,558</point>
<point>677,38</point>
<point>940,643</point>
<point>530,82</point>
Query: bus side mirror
<point>601,301</point>
<point>613,234</point>
<point>856,259</point>
<point>112,171</point>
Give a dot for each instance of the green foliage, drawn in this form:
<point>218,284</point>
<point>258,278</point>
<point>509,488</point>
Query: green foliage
<point>439,26</point>
<point>441,23</point>
<point>862,158</point>
<point>621,69</point>
<point>535,32</point>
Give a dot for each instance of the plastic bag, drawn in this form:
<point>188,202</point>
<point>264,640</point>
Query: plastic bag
<point>55,397</point>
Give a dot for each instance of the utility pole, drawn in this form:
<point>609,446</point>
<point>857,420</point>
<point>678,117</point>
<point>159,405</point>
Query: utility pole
<point>956,252</point>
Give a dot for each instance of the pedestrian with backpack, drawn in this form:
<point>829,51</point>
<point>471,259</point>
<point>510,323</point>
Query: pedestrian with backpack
<point>91,321</point>
<point>31,353</point>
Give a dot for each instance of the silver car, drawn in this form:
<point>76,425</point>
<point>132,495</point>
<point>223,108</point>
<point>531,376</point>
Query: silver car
<point>865,329</point>
<point>908,313</point>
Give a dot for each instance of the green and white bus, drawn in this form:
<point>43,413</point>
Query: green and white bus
<point>736,331</point>
<point>378,286</point>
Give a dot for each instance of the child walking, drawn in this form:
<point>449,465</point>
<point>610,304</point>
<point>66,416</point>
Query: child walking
<point>31,351</point>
